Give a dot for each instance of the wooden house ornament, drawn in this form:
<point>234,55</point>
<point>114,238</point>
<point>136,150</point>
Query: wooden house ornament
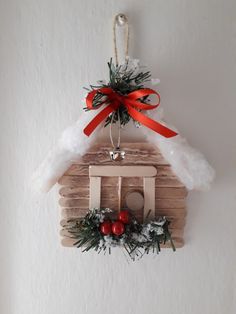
<point>143,182</point>
<point>149,179</point>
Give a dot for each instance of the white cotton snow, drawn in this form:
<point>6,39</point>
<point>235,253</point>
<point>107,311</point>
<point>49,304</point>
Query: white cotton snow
<point>71,146</point>
<point>187,163</point>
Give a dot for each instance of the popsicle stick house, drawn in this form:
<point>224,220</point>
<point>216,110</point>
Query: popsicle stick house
<point>96,181</point>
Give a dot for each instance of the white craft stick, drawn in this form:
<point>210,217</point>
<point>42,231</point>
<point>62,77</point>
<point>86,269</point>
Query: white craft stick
<point>95,192</point>
<point>119,192</point>
<point>122,171</point>
<point>149,197</point>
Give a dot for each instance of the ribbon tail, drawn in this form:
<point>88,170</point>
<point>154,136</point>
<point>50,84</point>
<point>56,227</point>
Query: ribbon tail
<point>151,124</point>
<point>98,119</point>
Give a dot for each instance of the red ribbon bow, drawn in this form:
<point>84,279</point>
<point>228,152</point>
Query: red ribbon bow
<point>131,102</point>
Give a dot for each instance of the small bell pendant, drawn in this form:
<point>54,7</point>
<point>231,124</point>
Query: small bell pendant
<point>117,154</point>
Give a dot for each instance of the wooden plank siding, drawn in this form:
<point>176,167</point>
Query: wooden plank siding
<point>170,193</point>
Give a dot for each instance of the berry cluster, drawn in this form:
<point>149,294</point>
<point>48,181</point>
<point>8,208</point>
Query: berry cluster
<point>116,227</point>
<point>96,231</point>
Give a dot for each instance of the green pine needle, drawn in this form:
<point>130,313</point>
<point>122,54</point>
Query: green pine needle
<point>123,81</point>
<point>87,235</point>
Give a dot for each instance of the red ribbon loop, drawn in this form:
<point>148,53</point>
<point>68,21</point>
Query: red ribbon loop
<point>133,105</point>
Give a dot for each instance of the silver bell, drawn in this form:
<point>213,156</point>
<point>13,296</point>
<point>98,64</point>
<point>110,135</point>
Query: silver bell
<point>117,154</point>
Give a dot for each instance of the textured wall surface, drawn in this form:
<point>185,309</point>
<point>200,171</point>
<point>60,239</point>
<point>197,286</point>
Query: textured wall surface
<point>50,49</point>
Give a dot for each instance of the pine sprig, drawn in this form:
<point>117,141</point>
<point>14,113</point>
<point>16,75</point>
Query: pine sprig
<point>123,80</point>
<point>138,239</point>
<point>86,231</point>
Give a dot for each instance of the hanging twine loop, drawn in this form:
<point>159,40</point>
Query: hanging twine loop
<point>116,101</point>
<point>120,20</point>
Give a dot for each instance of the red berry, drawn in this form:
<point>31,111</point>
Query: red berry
<point>124,216</point>
<point>105,227</point>
<point>118,227</point>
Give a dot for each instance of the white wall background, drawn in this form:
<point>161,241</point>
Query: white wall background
<point>50,49</point>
